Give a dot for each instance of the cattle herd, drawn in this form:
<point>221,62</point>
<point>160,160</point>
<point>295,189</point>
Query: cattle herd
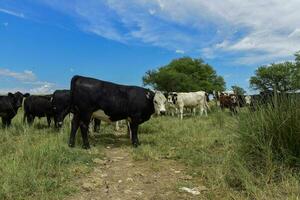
<point>89,98</point>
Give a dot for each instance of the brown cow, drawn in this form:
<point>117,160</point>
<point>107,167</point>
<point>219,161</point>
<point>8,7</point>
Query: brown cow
<point>229,101</point>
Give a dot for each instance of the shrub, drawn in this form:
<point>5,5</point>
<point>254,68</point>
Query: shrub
<point>267,142</point>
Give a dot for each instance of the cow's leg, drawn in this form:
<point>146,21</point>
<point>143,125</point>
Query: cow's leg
<point>30,119</point>
<point>181,112</point>
<point>74,127</point>
<point>8,122</point>
<point>194,111</point>
<point>97,124</point>
<point>129,130</point>
<point>4,122</point>
<point>201,110</point>
<point>117,128</point>
<point>48,120</point>
<point>84,134</point>
<point>134,138</point>
<point>205,111</point>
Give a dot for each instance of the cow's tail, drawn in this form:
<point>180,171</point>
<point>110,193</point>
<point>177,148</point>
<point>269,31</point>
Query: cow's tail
<point>72,89</point>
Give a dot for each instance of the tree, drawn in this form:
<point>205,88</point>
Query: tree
<point>184,75</point>
<point>238,90</point>
<point>296,77</point>
<point>276,77</point>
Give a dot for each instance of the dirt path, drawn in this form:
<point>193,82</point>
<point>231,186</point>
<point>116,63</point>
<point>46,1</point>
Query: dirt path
<point>117,176</point>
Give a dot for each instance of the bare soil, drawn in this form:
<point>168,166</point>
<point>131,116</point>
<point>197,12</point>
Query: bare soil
<point>118,176</point>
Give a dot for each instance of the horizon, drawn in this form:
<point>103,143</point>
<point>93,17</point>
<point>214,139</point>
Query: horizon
<point>45,43</point>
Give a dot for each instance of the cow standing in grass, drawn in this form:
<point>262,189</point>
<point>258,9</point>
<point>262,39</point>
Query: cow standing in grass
<point>229,101</point>
<point>38,106</point>
<point>9,106</point>
<point>61,104</point>
<point>192,100</point>
<point>111,102</point>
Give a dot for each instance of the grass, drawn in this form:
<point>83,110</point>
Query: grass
<point>36,163</point>
<point>248,156</point>
<point>227,153</point>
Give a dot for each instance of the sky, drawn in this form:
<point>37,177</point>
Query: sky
<point>43,43</point>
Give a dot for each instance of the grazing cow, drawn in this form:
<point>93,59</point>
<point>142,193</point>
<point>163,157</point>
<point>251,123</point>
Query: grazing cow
<point>229,101</point>
<point>248,100</point>
<point>9,106</point>
<point>190,100</point>
<point>38,106</point>
<point>111,102</point>
<point>61,106</point>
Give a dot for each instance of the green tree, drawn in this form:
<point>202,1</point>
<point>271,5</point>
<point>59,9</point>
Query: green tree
<point>238,90</point>
<point>185,75</point>
<point>296,77</point>
<point>280,77</point>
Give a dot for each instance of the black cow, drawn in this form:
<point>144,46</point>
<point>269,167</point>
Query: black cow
<point>9,106</point>
<point>111,102</point>
<point>260,100</point>
<point>38,106</point>
<point>241,100</point>
<point>61,106</point>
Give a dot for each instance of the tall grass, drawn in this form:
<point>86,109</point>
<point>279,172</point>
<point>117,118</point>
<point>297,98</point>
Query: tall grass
<point>267,149</point>
<point>36,163</point>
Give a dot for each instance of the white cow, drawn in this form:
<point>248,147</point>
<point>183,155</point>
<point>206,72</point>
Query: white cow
<point>248,99</point>
<point>191,100</point>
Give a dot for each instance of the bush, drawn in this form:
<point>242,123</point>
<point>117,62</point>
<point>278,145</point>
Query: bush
<point>267,143</point>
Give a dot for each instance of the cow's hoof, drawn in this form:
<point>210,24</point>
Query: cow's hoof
<point>71,145</point>
<point>136,144</point>
<point>86,146</point>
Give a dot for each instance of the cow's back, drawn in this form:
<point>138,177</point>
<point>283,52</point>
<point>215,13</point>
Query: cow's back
<point>38,105</point>
<point>117,101</point>
<point>191,99</point>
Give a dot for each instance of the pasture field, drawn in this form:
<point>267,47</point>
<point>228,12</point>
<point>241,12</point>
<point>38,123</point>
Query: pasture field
<point>197,152</point>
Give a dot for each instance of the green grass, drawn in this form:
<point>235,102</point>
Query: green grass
<point>248,156</point>
<point>215,149</point>
<point>36,163</point>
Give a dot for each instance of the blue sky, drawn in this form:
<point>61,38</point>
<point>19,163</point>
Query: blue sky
<point>45,42</point>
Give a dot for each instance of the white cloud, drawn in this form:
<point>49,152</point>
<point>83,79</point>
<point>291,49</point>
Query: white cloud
<point>13,13</point>
<point>179,51</point>
<point>26,75</point>
<point>28,82</point>
<point>45,88</point>
<point>255,29</point>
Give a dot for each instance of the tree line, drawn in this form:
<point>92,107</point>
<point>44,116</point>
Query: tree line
<point>188,74</point>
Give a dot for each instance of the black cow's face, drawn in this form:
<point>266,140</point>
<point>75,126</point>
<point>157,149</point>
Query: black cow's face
<point>60,112</point>
<point>17,99</point>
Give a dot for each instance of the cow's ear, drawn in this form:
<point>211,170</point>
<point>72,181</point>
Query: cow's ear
<point>11,95</point>
<point>149,95</point>
<point>26,95</point>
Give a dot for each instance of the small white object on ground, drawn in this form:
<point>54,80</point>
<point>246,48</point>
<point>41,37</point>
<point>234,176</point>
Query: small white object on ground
<point>193,191</point>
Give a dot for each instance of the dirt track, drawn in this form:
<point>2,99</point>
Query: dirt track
<point>119,177</point>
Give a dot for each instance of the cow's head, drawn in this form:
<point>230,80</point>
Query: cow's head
<point>60,112</point>
<point>233,99</point>
<point>17,99</point>
<point>159,102</point>
<point>172,98</point>
<point>248,100</point>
